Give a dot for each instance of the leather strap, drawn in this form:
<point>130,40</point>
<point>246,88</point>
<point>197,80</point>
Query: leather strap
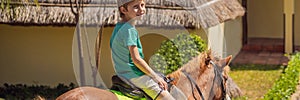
<point>193,82</point>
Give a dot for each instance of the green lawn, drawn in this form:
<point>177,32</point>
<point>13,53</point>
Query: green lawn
<point>255,80</point>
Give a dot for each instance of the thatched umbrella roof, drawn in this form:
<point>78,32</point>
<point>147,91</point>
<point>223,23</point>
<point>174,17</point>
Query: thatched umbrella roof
<point>189,13</point>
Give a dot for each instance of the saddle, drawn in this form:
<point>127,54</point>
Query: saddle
<point>128,89</point>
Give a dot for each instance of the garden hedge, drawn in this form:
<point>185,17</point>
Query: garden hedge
<point>285,86</point>
<point>25,92</point>
<point>173,53</point>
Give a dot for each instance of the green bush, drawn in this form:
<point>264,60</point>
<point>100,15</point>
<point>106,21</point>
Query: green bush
<point>24,92</point>
<point>175,52</point>
<point>285,86</point>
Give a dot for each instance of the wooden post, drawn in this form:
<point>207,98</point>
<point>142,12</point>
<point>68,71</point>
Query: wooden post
<point>76,12</point>
<point>245,24</point>
<point>288,12</point>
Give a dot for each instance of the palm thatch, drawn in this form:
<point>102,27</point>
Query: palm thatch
<point>188,13</point>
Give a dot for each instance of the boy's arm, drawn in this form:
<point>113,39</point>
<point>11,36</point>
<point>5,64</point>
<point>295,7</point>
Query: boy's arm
<point>143,66</point>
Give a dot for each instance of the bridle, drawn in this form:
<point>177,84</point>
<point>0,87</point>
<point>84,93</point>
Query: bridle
<point>217,73</point>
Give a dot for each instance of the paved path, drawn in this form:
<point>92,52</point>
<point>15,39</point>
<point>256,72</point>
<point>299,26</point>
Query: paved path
<point>260,57</point>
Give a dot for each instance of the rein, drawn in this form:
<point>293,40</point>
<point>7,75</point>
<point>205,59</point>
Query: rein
<point>193,82</point>
<point>218,73</point>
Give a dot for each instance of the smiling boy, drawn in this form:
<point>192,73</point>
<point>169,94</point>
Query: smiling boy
<point>128,55</point>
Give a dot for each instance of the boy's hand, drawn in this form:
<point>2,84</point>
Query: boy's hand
<point>161,82</point>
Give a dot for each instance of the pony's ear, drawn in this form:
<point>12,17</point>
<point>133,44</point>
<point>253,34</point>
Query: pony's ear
<point>208,57</point>
<point>208,52</point>
<point>207,60</point>
<point>228,60</point>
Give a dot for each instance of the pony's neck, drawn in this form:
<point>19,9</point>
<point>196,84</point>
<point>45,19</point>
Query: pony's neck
<point>195,68</point>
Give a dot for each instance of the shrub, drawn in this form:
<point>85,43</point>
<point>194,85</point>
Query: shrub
<point>285,86</point>
<point>175,52</point>
<point>24,92</point>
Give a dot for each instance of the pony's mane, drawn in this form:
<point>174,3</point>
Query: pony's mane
<point>195,66</point>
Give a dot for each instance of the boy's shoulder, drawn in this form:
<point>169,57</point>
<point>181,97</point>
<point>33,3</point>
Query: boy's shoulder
<point>125,27</point>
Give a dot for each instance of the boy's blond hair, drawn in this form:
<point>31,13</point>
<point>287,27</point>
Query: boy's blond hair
<point>122,2</point>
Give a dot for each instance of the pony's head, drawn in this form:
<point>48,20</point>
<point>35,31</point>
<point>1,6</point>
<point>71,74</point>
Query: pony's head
<point>222,64</point>
<point>210,74</point>
<point>221,69</point>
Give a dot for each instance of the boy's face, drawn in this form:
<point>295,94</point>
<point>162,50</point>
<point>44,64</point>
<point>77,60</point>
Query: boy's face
<point>135,9</point>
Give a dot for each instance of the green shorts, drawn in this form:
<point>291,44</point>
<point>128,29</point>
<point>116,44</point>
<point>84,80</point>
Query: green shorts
<point>148,85</point>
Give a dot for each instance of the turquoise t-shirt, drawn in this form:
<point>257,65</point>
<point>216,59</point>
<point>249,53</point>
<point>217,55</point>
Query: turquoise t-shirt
<point>125,35</point>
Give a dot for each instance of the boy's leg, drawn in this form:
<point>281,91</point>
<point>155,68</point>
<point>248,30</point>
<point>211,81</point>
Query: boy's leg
<point>177,93</point>
<point>149,86</point>
<point>165,95</point>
